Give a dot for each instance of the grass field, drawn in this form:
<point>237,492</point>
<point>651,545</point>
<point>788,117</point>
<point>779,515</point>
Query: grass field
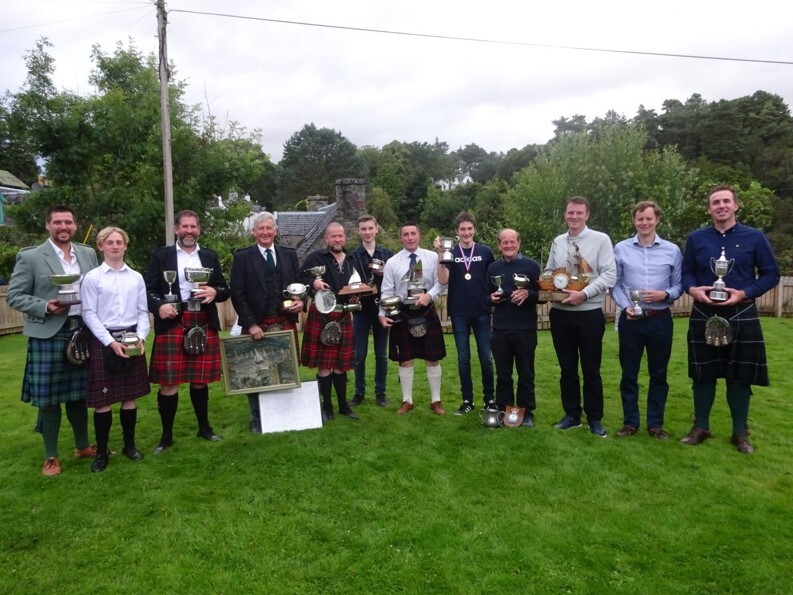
<point>415,503</point>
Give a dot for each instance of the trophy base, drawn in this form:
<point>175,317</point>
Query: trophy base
<point>68,299</point>
<point>717,295</point>
<point>552,296</point>
<point>175,304</point>
<point>193,305</point>
<point>446,261</point>
<point>358,290</point>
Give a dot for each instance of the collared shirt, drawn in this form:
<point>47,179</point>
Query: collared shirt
<point>754,268</point>
<point>114,299</point>
<point>186,260</point>
<point>263,252</point>
<point>362,260</point>
<point>69,268</point>
<point>395,277</point>
<point>657,266</point>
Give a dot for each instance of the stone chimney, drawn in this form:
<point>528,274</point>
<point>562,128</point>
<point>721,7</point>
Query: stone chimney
<point>350,201</point>
<point>316,202</point>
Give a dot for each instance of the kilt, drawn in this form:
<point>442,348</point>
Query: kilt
<point>50,378</point>
<point>283,322</point>
<point>106,388</point>
<point>334,357</point>
<point>170,364</point>
<point>743,361</point>
<point>402,346</point>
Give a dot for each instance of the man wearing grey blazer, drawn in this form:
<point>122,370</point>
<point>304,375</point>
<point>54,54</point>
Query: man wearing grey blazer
<point>50,378</point>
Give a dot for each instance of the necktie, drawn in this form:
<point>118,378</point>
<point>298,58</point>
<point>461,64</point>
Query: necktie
<point>270,259</point>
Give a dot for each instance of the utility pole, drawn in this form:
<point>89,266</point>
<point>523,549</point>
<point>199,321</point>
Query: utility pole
<point>165,121</point>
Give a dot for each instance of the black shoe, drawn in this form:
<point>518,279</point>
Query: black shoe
<point>164,443</point>
<point>465,408</point>
<point>357,399</point>
<point>132,453</point>
<point>208,433</point>
<point>255,425</point>
<point>528,421</point>
<point>101,462</point>
<point>597,428</point>
<point>327,416</point>
<point>348,412</point>
<point>567,423</point>
<point>381,400</point>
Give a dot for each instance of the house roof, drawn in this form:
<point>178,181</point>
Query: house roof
<point>9,179</point>
<point>309,224</point>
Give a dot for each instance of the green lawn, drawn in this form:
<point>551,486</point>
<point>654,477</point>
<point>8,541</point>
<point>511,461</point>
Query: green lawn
<point>414,503</point>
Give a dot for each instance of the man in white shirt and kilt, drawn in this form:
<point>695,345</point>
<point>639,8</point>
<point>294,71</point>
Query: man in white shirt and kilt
<point>171,364</point>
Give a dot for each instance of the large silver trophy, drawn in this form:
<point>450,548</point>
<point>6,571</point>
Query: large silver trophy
<point>317,271</point>
<point>196,275</point>
<point>636,297</point>
<point>521,281</point>
<point>415,285</point>
<point>720,267</point>
<point>68,295</point>
<point>391,306</point>
<point>447,257</point>
<point>170,297</point>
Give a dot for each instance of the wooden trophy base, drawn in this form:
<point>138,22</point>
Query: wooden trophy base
<point>552,296</point>
<point>361,289</point>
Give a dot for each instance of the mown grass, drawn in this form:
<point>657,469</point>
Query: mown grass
<point>413,503</point>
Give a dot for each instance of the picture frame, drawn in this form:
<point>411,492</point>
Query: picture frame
<point>268,364</point>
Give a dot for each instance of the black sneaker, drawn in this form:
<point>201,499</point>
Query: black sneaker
<point>567,423</point>
<point>465,408</point>
<point>381,400</point>
<point>597,428</point>
<point>357,399</point>
<point>528,421</point>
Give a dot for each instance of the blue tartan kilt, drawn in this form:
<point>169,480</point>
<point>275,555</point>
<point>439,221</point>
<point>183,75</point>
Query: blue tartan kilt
<point>50,378</point>
<point>402,346</point>
<point>743,361</point>
<point>315,354</point>
<point>106,388</point>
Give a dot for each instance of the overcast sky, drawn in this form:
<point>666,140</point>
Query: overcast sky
<point>375,87</point>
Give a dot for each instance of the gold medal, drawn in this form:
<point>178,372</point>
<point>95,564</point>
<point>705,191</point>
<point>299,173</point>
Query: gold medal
<point>468,276</point>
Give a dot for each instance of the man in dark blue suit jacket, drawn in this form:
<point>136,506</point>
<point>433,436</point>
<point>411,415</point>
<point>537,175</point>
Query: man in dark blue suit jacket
<point>170,364</point>
<point>259,275</point>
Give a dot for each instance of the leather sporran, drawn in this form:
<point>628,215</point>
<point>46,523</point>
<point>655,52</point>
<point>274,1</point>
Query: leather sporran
<point>718,332</point>
<point>78,349</point>
<point>417,326</point>
<point>330,334</point>
<point>513,416</point>
<point>195,341</point>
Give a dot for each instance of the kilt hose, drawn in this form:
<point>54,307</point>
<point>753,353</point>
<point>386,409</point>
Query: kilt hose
<point>743,361</point>
<point>171,365</point>
<point>315,354</point>
<point>402,346</point>
<point>49,377</point>
<point>106,388</point>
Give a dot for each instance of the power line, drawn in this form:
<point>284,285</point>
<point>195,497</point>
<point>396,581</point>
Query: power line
<point>481,40</point>
<point>81,18</point>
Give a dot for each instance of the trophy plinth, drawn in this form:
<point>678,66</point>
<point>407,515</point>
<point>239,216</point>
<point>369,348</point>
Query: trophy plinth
<point>68,295</point>
<point>293,292</point>
<point>636,297</point>
<point>355,286</point>
<point>552,284</point>
<point>447,257</point>
<point>720,267</point>
<point>196,275</point>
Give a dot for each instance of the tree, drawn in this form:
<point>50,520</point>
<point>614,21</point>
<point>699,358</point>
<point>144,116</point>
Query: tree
<point>314,158</point>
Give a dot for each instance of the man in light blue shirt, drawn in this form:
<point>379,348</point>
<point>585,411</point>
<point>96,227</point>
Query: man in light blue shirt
<point>652,266</point>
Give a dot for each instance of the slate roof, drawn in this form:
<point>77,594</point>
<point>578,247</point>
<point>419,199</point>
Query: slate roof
<point>308,224</point>
<point>9,179</point>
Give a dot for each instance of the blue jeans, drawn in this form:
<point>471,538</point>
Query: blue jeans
<point>654,334</point>
<point>361,326</point>
<point>462,327</point>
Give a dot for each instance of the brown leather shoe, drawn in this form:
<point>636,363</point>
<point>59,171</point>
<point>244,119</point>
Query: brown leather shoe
<point>742,444</point>
<point>626,431</point>
<point>658,433</point>
<point>406,406</point>
<point>438,408</point>
<point>52,466</point>
<point>89,452</point>
<point>695,436</point>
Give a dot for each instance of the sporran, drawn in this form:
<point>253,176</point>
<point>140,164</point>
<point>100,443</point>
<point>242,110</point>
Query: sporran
<point>718,332</point>
<point>417,326</point>
<point>195,341</point>
<point>78,348</point>
<point>330,334</point>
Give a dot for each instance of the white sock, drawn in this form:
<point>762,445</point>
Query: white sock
<point>406,383</point>
<point>434,378</point>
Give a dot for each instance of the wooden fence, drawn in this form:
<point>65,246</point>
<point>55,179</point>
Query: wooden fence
<point>777,302</point>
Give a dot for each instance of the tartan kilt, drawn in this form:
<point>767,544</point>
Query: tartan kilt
<point>317,355</point>
<point>170,364</point>
<point>743,361</point>
<point>106,388</point>
<point>402,346</point>
<point>280,321</point>
<point>49,377</point>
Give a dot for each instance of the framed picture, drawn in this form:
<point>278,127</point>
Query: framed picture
<point>259,366</point>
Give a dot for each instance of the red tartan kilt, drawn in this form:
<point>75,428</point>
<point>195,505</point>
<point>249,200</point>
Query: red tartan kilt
<point>336,357</point>
<point>106,388</point>
<point>171,365</point>
<point>283,322</point>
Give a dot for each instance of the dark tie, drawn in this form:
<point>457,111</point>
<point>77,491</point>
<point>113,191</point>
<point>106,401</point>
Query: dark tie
<point>270,259</point>
<point>412,265</point>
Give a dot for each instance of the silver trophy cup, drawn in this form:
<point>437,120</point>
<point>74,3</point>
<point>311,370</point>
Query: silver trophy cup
<point>391,306</point>
<point>317,271</point>
<point>498,280</point>
<point>293,291</point>
<point>521,281</point>
<point>447,244</point>
<point>636,297</point>
<point>68,295</point>
<point>720,267</point>
<point>170,297</point>
<point>196,275</point>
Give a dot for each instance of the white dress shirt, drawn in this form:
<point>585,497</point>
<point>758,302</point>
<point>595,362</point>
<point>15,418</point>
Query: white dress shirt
<point>395,280</point>
<point>264,250</point>
<point>69,268</point>
<point>114,299</point>
<point>185,260</point>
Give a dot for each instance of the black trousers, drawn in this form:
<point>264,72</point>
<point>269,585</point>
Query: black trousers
<point>514,347</point>
<point>578,336</point>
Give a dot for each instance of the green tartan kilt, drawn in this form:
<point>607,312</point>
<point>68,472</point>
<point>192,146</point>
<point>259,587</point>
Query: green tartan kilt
<point>49,377</point>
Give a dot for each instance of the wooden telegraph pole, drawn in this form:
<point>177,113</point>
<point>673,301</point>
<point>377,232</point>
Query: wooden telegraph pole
<point>165,113</point>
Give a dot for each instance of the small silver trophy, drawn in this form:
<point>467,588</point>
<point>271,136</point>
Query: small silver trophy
<point>170,297</point>
<point>521,281</point>
<point>68,295</point>
<point>293,291</point>
<point>196,275</point>
<point>497,281</point>
<point>447,257</point>
<point>317,271</point>
<point>636,297</point>
<point>720,268</point>
<point>391,306</point>
<point>377,265</point>
<point>130,341</point>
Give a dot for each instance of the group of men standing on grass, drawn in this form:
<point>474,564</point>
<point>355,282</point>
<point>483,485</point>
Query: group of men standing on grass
<point>493,299</point>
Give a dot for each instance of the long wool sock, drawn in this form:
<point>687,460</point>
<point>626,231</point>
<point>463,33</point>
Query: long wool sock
<point>406,383</point>
<point>704,395</point>
<point>340,385</point>
<point>738,396</point>
<point>200,399</point>
<point>77,414</point>
<point>434,379</point>
<point>129,418</point>
<point>167,406</point>
<point>102,424</point>
<point>325,384</point>
<point>50,419</point>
